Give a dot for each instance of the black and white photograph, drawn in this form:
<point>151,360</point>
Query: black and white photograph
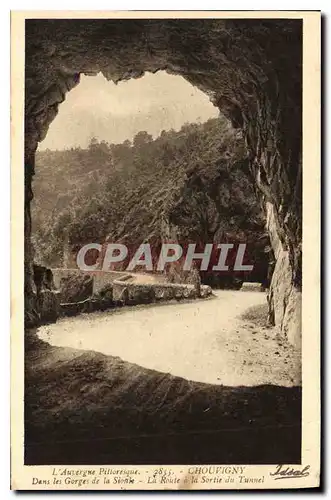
<point>165,166</point>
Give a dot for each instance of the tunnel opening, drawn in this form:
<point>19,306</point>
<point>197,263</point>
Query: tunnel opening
<point>108,139</point>
<point>133,149</point>
<point>243,65</point>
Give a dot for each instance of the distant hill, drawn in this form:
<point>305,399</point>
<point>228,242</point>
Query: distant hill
<point>194,182</point>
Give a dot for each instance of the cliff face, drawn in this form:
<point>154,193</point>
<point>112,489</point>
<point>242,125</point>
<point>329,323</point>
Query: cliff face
<point>284,296</point>
<point>251,69</point>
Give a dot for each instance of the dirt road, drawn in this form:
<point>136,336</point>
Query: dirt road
<point>92,397</point>
<point>203,341</point>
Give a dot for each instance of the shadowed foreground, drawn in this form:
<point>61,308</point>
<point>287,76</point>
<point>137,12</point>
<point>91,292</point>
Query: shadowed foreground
<point>82,407</point>
<point>207,341</point>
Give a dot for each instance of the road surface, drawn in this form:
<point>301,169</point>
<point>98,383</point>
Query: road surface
<point>202,341</point>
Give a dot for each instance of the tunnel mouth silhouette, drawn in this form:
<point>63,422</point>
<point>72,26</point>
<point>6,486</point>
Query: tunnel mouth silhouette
<point>252,71</point>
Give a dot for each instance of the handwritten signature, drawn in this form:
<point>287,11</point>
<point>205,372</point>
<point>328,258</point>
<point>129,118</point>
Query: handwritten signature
<point>285,472</point>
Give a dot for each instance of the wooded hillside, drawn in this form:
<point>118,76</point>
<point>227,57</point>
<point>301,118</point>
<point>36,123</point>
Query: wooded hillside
<point>194,181</point>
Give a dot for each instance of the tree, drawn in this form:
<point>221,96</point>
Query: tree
<point>195,179</point>
<point>141,139</point>
<point>93,143</point>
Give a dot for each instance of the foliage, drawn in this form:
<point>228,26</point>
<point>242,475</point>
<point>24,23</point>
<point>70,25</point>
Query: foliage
<point>195,180</point>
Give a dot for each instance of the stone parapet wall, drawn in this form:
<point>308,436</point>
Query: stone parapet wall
<point>100,278</point>
<point>114,289</point>
<point>251,287</point>
<point>132,293</point>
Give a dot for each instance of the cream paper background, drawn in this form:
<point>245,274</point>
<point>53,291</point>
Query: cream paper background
<point>21,476</point>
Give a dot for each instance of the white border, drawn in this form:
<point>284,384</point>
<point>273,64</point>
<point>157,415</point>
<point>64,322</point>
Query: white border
<point>315,234</point>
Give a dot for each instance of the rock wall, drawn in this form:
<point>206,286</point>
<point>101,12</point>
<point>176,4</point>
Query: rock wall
<point>251,69</point>
<point>47,299</point>
<point>284,297</point>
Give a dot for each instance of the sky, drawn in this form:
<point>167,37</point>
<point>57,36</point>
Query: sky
<point>99,108</point>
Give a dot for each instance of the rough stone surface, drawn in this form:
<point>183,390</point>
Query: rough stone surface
<point>131,293</point>
<point>251,69</point>
<point>251,287</point>
<point>284,297</point>
<point>46,299</point>
<point>87,291</point>
<point>75,288</point>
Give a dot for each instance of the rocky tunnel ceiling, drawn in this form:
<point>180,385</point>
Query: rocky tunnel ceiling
<point>251,70</point>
